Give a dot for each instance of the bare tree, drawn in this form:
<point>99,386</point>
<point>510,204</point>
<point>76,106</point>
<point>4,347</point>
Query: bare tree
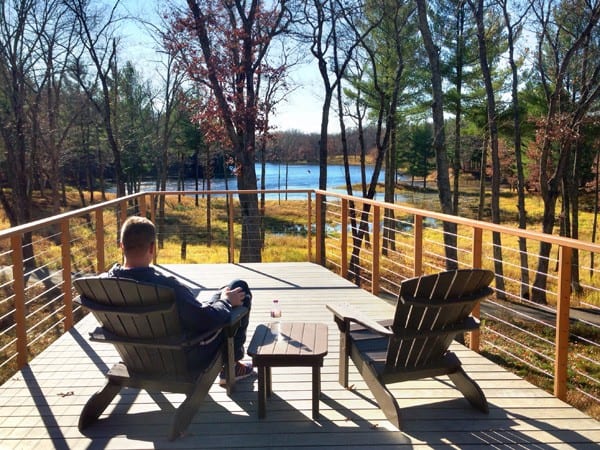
<point>52,120</point>
<point>561,41</point>
<point>19,35</point>
<point>514,28</point>
<point>379,88</point>
<point>326,29</point>
<point>22,25</point>
<point>99,53</point>
<point>225,44</point>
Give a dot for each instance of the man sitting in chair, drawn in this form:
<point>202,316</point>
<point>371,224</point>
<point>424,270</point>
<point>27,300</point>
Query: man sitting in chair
<point>138,244</point>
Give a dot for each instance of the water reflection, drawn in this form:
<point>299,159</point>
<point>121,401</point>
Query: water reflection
<point>290,177</point>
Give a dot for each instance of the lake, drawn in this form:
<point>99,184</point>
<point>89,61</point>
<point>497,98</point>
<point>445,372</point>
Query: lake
<point>296,176</point>
<point>305,176</point>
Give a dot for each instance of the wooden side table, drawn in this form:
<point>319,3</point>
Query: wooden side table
<point>299,344</point>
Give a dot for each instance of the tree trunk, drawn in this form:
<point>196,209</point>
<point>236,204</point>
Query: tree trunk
<point>482,178</point>
<point>517,149</point>
<point>478,11</point>
<point>323,153</point>
<point>596,201</point>
<point>251,246</point>
<point>439,139</point>
<point>460,23</point>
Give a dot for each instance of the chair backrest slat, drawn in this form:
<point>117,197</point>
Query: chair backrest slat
<point>136,311</point>
<point>429,312</point>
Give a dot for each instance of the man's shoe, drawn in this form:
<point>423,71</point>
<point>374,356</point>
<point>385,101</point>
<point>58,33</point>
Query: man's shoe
<point>242,370</point>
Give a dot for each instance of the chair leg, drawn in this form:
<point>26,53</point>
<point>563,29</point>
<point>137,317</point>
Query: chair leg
<point>97,404</point>
<point>229,362</point>
<point>186,411</point>
<point>383,396</point>
<point>343,362</point>
<point>470,389</point>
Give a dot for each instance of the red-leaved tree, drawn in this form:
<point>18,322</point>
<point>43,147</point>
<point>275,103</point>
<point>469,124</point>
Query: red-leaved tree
<point>223,45</point>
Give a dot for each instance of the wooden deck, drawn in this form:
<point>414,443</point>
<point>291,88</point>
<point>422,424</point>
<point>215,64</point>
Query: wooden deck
<point>40,406</point>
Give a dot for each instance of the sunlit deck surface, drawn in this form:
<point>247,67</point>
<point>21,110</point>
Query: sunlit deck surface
<point>40,406</point>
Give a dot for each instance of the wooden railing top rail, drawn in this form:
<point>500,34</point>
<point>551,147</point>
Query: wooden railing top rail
<point>232,191</point>
<point>488,226</point>
<point>514,231</point>
<point>37,224</point>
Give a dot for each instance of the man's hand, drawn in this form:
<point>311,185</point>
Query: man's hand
<point>234,296</point>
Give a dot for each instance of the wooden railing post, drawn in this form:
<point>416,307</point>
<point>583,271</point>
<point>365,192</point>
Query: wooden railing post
<point>65,245</point>
<point>474,340</point>
<point>418,246</point>
<point>376,246</point>
<point>142,203</point>
<point>319,227</point>
<point>19,288</point>
<point>563,303</point>
<point>123,209</point>
<point>344,238</point>
<point>153,209</point>
<point>309,225</point>
<point>153,220</point>
<point>100,262</point>
<point>231,231</point>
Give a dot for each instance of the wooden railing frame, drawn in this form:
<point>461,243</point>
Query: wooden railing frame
<point>565,246</point>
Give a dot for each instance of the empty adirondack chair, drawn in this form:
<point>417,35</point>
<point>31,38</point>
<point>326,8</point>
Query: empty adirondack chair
<point>430,312</point>
<point>142,322</point>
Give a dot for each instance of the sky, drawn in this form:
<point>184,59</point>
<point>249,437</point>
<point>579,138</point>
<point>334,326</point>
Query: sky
<point>300,110</point>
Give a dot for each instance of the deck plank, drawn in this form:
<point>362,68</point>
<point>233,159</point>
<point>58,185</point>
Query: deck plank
<point>40,406</point>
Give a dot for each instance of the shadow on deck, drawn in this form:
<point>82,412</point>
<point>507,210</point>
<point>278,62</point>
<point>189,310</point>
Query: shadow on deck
<point>40,405</point>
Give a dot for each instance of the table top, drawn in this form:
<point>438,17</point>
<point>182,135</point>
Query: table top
<point>297,343</point>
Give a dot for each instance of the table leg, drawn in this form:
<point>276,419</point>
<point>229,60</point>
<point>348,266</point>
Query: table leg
<point>262,392</point>
<point>268,381</point>
<point>316,390</point>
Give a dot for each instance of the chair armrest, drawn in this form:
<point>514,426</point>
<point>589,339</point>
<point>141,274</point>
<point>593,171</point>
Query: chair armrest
<point>101,334</point>
<point>237,314</point>
<point>345,314</point>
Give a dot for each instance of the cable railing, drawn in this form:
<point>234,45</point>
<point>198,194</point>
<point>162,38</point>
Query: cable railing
<point>555,345</point>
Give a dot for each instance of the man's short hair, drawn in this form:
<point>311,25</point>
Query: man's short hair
<point>137,234</point>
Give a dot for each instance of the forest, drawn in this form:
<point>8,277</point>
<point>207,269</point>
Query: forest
<point>505,88</point>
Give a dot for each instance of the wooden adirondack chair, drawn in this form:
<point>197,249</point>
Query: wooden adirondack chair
<point>430,312</point>
<point>142,322</point>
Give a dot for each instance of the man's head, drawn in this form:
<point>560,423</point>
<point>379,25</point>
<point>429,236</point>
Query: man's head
<point>138,236</point>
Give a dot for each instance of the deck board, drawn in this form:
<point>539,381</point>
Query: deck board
<point>40,406</point>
